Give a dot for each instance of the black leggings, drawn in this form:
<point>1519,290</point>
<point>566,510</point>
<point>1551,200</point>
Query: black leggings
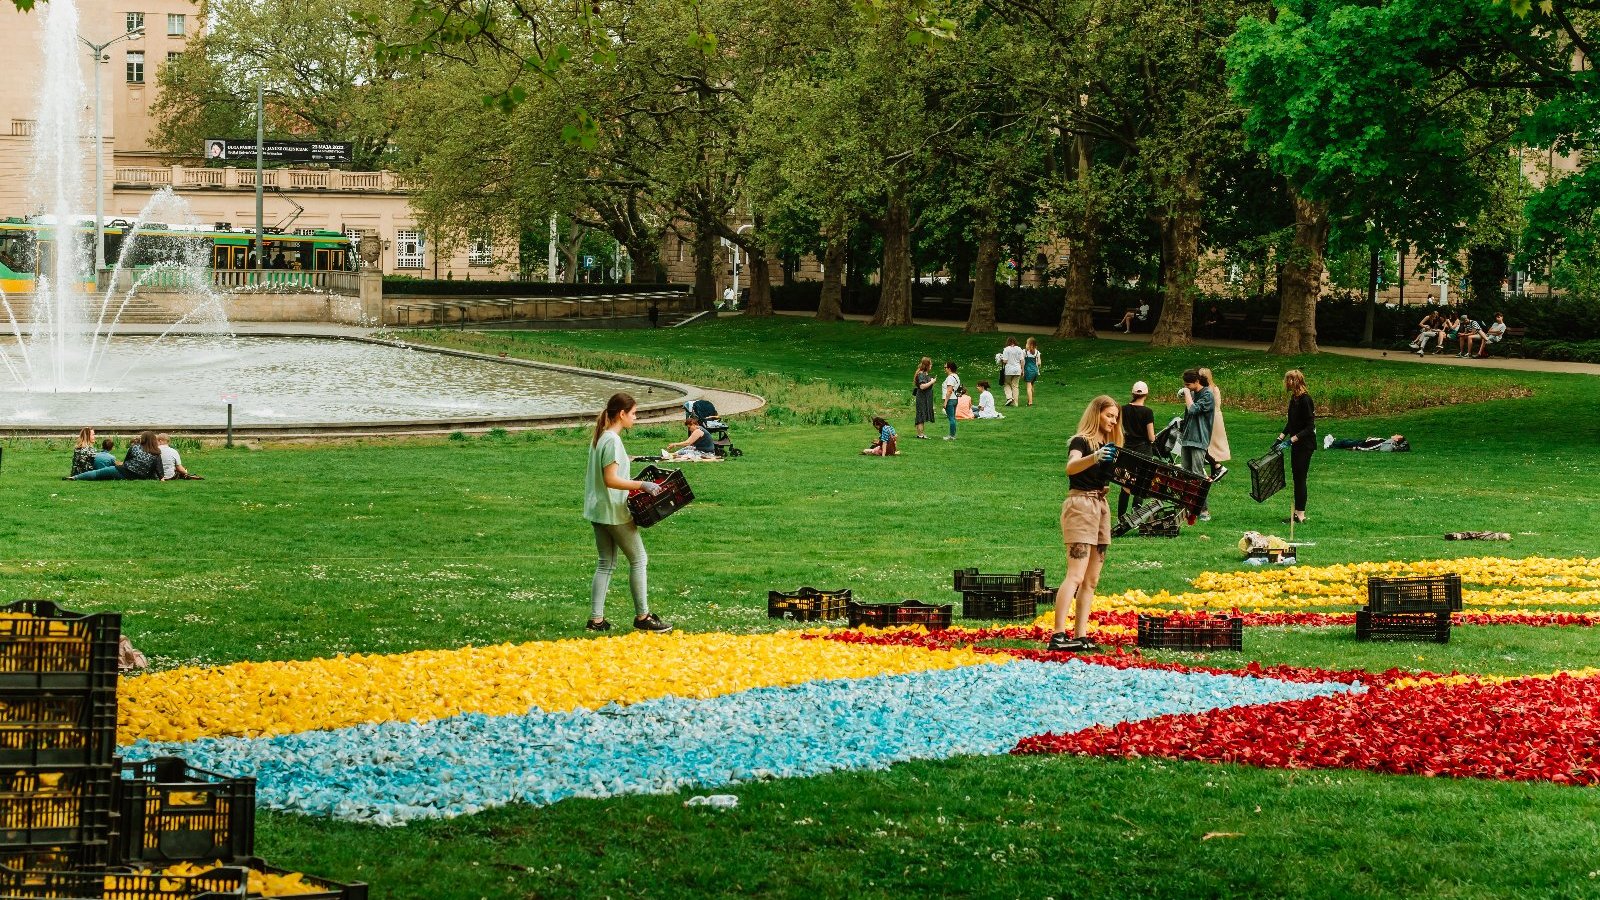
<point>1300,462</point>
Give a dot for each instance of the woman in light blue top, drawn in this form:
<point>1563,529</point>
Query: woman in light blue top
<point>605,505</point>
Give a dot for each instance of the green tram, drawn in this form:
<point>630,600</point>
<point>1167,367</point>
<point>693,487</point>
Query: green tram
<point>25,252</point>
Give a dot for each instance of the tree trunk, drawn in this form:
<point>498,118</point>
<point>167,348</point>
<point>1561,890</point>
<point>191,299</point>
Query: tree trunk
<point>647,267</point>
<point>1180,249</point>
<point>1300,280</point>
<point>760,282</point>
<point>1373,269</point>
<point>961,268</point>
<point>831,307</point>
<point>705,268</point>
<point>981,318</point>
<point>1077,316</point>
<point>894,281</point>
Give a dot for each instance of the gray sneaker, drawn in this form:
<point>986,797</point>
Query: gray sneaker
<point>651,623</point>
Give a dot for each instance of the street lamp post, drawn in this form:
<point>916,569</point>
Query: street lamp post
<point>99,58</point>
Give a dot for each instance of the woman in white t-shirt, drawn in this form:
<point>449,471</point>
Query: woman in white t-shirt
<point>986,408</point>
<point>951,393</point>
<point>605,505</point>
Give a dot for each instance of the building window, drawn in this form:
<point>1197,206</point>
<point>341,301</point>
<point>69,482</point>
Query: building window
<point>480,251</point>
<point>172,56</point>
<point>135,22</point>
<point>408,250</point>
<point>174,24</point>
<point>136,67</point>
<point>1441,275</point>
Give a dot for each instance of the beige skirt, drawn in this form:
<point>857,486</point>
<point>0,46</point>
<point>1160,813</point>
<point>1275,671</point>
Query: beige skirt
<point>1086,518</point>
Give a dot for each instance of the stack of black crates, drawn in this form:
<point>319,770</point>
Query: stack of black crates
<point>1409,609</point>
<point>78,824</point>
<point>58,731</point>
<point>1000,596</point>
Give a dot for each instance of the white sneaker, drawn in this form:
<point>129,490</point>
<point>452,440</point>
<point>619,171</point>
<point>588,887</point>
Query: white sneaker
<point>949,438</point>
<point>1327,441</point>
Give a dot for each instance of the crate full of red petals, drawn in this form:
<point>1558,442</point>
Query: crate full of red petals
<point>1191,631</point>
<point>648,509</point>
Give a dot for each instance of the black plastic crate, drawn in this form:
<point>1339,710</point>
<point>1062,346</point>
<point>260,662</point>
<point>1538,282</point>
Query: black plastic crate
<point>172,812</point>
<point>1023,582</point>
<point>63,728</point>
<point>998,605</point>
<point>76,872</point>
<point>219,883</point>
<point>807,604</point>
<point>907,612</point>
<point>43,808</point>
<point>647,510</point>
<point>1149,477</point>
<point>1219,633</point>
<point>1266,475</point>
<point>1424,593</point>
<point>325,889</point>
<point>1431,627</point>
<point>44,647</point>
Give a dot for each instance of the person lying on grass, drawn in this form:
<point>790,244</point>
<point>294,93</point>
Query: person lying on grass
<point>1394,443</point>
<point>886,444</point>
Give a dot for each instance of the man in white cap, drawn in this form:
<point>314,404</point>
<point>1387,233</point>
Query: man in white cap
<point>1138,432</point>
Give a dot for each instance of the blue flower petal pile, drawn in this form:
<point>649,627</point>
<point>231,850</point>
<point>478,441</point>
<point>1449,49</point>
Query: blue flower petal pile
<point>391,773</point>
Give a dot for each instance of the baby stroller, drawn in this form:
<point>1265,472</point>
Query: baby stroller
<point>706,412</point>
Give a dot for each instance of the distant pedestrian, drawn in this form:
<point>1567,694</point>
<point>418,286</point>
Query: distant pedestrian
<point>655,314</point>
<point>951,393</point>
<point>1195,439</point>
<point>1030,366</point>
<point>1010,360</point>
<point>1299,436</point>
<point>922,382</point>
<point>1085,521</point>
<point>1138,435</point>
<point>1218,453</point>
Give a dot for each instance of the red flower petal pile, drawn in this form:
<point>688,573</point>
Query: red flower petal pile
<point>1530,729</point>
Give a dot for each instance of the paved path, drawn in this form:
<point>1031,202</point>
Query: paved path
<point>1446,359</point>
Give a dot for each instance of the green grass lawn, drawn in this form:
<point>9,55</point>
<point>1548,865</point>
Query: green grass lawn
<point>383,546</point>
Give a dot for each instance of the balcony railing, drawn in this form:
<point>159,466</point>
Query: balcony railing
<point>244,179</point>
<point>348,283</point>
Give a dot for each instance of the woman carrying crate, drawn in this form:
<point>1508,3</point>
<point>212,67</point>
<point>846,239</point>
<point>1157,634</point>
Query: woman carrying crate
<point>1086,520</point>
<point>1299,434</point>
<point>605,505</point>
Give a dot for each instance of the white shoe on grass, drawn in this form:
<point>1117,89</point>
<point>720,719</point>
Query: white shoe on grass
<point>1327,441</point>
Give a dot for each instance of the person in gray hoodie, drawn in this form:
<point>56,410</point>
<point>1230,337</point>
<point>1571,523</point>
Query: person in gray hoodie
<point>1197,417</point>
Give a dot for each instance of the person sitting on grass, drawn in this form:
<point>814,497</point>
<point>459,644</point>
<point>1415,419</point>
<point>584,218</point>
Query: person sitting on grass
<point>142,462</point>
<point>887,443</point>
<point>82,453</point>
<point>698,445</point>
<point>964,405</point>
<point>986,408</point>
<point>1394,443</point>
<point>172,463</point>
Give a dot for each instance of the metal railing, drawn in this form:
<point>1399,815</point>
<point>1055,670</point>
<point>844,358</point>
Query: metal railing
<point>236,178</point>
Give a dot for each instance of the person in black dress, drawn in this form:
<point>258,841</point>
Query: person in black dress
<point>1138,434</point>
<point>1299,435</point>
<point>922,388</point>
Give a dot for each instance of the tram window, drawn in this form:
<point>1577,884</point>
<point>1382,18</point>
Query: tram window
<point>241,258</point>
<point>16,251</point>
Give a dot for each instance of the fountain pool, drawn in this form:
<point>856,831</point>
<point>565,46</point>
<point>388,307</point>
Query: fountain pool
<point>282,384</point>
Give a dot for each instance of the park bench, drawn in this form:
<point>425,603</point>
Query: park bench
<point>1265,329</point>
<point>1511,344</point>
<point>1233,325</point>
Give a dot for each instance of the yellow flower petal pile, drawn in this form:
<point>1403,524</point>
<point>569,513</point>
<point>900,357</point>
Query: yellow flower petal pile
<point>1524,585</point>
<point>254,699</point>
<point>1452,680</point>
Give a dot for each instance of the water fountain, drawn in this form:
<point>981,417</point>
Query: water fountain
<point>69,361</point>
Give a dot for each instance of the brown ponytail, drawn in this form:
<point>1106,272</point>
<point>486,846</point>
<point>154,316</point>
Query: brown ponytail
<point>616,406</point>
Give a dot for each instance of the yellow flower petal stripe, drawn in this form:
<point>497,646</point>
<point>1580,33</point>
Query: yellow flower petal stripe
<point>1499,583</point>
<point>1452,680</point>
<point>255,699</point>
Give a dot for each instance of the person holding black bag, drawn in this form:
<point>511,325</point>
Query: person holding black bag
<point>1299,436</point>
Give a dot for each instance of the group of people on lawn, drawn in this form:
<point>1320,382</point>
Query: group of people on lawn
<point>149,458</point>
<point>1019,371</point>
<point>1449,324</point>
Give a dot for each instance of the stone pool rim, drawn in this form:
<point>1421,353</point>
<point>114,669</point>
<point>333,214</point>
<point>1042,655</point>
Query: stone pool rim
<point>686,392</point>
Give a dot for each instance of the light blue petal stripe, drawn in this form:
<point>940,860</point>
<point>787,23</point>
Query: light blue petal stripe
<point>395,772</point>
